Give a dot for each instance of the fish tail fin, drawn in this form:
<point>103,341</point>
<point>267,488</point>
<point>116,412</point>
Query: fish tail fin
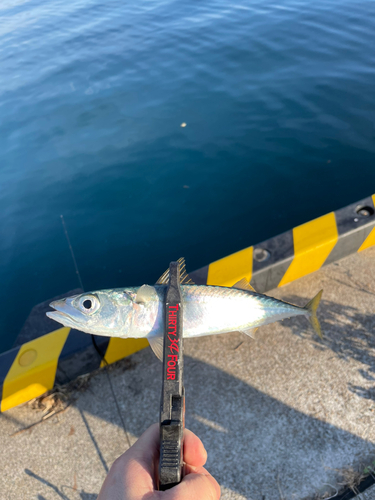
<point>311,307</point>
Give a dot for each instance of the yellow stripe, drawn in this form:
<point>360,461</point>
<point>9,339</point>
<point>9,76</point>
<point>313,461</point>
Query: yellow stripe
<point>120,348</point>
<point>370,240</point>
<point>229,270</point>
<point>313,242</point>
<point>34,369</point>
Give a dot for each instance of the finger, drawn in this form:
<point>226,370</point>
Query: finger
<point>134,470</point>
<point>146,448</point>
<point>198,483</point>
<point>194,451</point>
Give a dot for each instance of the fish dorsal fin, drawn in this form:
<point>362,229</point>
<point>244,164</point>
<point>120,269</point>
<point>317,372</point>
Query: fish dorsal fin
<point>144,294</point>
<point>184,277</point>
<point>156,344</point>
<point>243,285</point>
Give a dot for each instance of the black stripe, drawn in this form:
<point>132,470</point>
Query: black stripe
<point>200,276</point>
<point>353,228</point>
<point>79,356</point>
<point>6,360</point>
<point>279,248</point>
<point>271,260</point>
<point>37,323</point>
<point>351,217</point>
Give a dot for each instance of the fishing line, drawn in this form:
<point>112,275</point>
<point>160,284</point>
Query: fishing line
<point>112,389</point>
<point>71,251</point>
<point>96,347</point>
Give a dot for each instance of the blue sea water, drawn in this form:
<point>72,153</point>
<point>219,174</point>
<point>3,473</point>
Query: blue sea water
<point>278,98</point>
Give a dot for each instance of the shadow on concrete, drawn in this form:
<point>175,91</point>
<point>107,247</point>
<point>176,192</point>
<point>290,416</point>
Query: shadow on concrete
<point>349,334</point>
<point>60,491</point>
<point>94,442</point>
<point>257,446</point>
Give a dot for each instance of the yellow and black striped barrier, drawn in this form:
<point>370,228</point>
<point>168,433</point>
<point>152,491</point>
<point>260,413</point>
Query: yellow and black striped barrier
<point>60,356</point>
<point>298,252</point>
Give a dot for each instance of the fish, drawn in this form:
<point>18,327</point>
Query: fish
<point>138,312</point>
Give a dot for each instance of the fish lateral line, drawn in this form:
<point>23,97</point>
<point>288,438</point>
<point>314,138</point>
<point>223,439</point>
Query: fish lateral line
<point>136,312</point>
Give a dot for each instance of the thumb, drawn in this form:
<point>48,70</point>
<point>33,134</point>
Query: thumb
<point>198,483</point>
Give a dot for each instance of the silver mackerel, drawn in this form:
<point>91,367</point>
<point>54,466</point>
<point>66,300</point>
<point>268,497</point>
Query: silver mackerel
<point>138,312</point>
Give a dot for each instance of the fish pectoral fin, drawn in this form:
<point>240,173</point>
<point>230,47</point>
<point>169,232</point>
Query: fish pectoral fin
<point>144,294</point>
<point>243,285</point>
<point>184,277</point>
<point>249,332</point>
<point>156,344</point>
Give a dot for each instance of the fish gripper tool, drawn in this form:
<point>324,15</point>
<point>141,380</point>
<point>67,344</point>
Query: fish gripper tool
<point>172,409</point>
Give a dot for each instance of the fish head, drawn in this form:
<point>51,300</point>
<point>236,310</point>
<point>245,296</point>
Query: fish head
<point>108,312</point>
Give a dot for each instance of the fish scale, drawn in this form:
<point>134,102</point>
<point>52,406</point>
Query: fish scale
<point>138,312</point>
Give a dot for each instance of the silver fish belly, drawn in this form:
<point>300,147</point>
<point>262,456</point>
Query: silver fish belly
<point>213,310</point>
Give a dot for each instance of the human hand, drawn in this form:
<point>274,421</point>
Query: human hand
<point>132,476</point>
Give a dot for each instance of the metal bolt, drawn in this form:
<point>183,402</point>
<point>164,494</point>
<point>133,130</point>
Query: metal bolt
<point>364,211</point>
<point>261,254</point>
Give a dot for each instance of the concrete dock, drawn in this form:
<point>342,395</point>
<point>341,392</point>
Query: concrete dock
<point>284,416</point>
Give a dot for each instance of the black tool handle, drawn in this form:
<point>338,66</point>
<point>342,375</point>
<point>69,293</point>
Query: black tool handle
<point>172,410</point>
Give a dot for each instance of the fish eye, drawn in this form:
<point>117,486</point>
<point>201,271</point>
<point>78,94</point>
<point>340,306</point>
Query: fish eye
<point>88,304</point>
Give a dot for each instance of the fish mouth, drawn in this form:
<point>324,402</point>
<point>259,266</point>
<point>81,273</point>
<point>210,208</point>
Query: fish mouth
<point>59,314</point>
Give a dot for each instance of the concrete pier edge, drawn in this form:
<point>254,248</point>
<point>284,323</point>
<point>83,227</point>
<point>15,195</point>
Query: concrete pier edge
<point>350,274</point>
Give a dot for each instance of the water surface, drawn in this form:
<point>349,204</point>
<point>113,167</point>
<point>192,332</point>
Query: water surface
<point>278,100</point>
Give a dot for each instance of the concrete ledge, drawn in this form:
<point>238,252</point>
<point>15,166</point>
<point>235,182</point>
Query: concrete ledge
<point>284,416</point>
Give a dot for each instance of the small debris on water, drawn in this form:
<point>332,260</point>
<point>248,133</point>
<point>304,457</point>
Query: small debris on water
<point>328,161</point>
<point>186,186</point>
<point>183,124</point>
